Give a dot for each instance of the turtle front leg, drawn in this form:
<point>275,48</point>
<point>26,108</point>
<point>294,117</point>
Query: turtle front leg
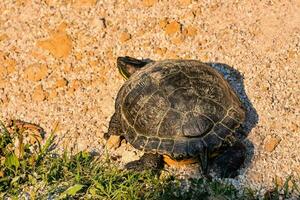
<point>113,134</point>
<point>147,161</point>
<point>226,164</point>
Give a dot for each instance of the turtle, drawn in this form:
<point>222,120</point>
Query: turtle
<point>178,110</point>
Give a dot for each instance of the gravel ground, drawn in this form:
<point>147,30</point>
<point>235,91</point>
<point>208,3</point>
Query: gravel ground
<point>57,64</point>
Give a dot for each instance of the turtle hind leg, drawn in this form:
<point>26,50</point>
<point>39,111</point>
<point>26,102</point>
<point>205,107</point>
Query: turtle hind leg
<point>226,164</point>
<point>147,161</point>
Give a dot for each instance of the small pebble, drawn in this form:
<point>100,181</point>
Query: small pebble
<point>172,28</point>
<point>271,143</point>
<point>39,94</point>
<point>36,72</point>
<point>59,44</point>
<point>149,3</point>
<point>124,37</point>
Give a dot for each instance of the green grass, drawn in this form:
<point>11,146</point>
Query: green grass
<point>37,172</point>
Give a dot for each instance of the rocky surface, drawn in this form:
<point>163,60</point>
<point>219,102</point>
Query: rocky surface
<point>57,64</point>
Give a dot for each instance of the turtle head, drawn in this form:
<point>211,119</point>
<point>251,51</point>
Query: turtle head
<point>128,65</point>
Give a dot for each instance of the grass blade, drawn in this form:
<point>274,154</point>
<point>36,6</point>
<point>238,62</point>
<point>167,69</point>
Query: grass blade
<point>71,191</point>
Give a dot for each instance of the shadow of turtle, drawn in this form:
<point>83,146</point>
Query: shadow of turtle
<point>236,81</point>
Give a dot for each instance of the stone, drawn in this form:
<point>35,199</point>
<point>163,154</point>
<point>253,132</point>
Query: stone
<point>291,54</point>
<point>94,64</point>
<point>78,56</point>
<point>67,68</point>
<point>59,44</point>
<point>160,51</point>
<point>149,3</point>
<point>61,83</point>
<point>52,94</point>
<point>172,28</point>
<point>297,170</point>
<point>7,65</point>
<point>185,2</point>
<point>37,55</point>
<point>124,37</point>
<point>163,23</point>
<point>178,40</point>
<point>22,2</point>
<point>4,99</point>
<point>3,80</point>
<point>140,32</point>
<point>189,16</point>
<point>83,3</point>
<point>98,23</point>
<point>3,72</point>
<point>2,55</point>
<point>11,66</point>
<point>36,72</point>
<point>271,143</point>
<point>294,127</point>
<point>190,31</point>
<point>3,37</point>
<point>171,55</point>
<point>113,142</point>
<point>39,94</point>
<point>128,156</point>
<point>73,86</point>
<point>255,176</point>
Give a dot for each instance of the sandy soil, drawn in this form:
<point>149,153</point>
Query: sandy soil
<point>57,64</point>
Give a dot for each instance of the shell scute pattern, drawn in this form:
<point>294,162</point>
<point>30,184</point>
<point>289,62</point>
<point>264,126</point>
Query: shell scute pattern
<point>194,122</point>
<point>152,144</point>
<point>160,73</point>
<point>183,99</point>
<point>166,145</point>
<point>173,82</point>
<point>211,109</point>
<point>137,97</point>
<point>140,142</point>
<point>195,146</point>
<point>221,131</point>
<point>214,92</point>
<point>130,135</point>
<point>197,70</point>
<point>170,125</point>
<point>212,141</point>
<point>146,121</point>
<point>178,108</point>
<point>180,149</point>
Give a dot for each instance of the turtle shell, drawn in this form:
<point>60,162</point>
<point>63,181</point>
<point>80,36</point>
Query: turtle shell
<point>178,107</point>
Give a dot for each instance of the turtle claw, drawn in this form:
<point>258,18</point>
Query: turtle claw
<point>148,161</point>
<point>113,142</point>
